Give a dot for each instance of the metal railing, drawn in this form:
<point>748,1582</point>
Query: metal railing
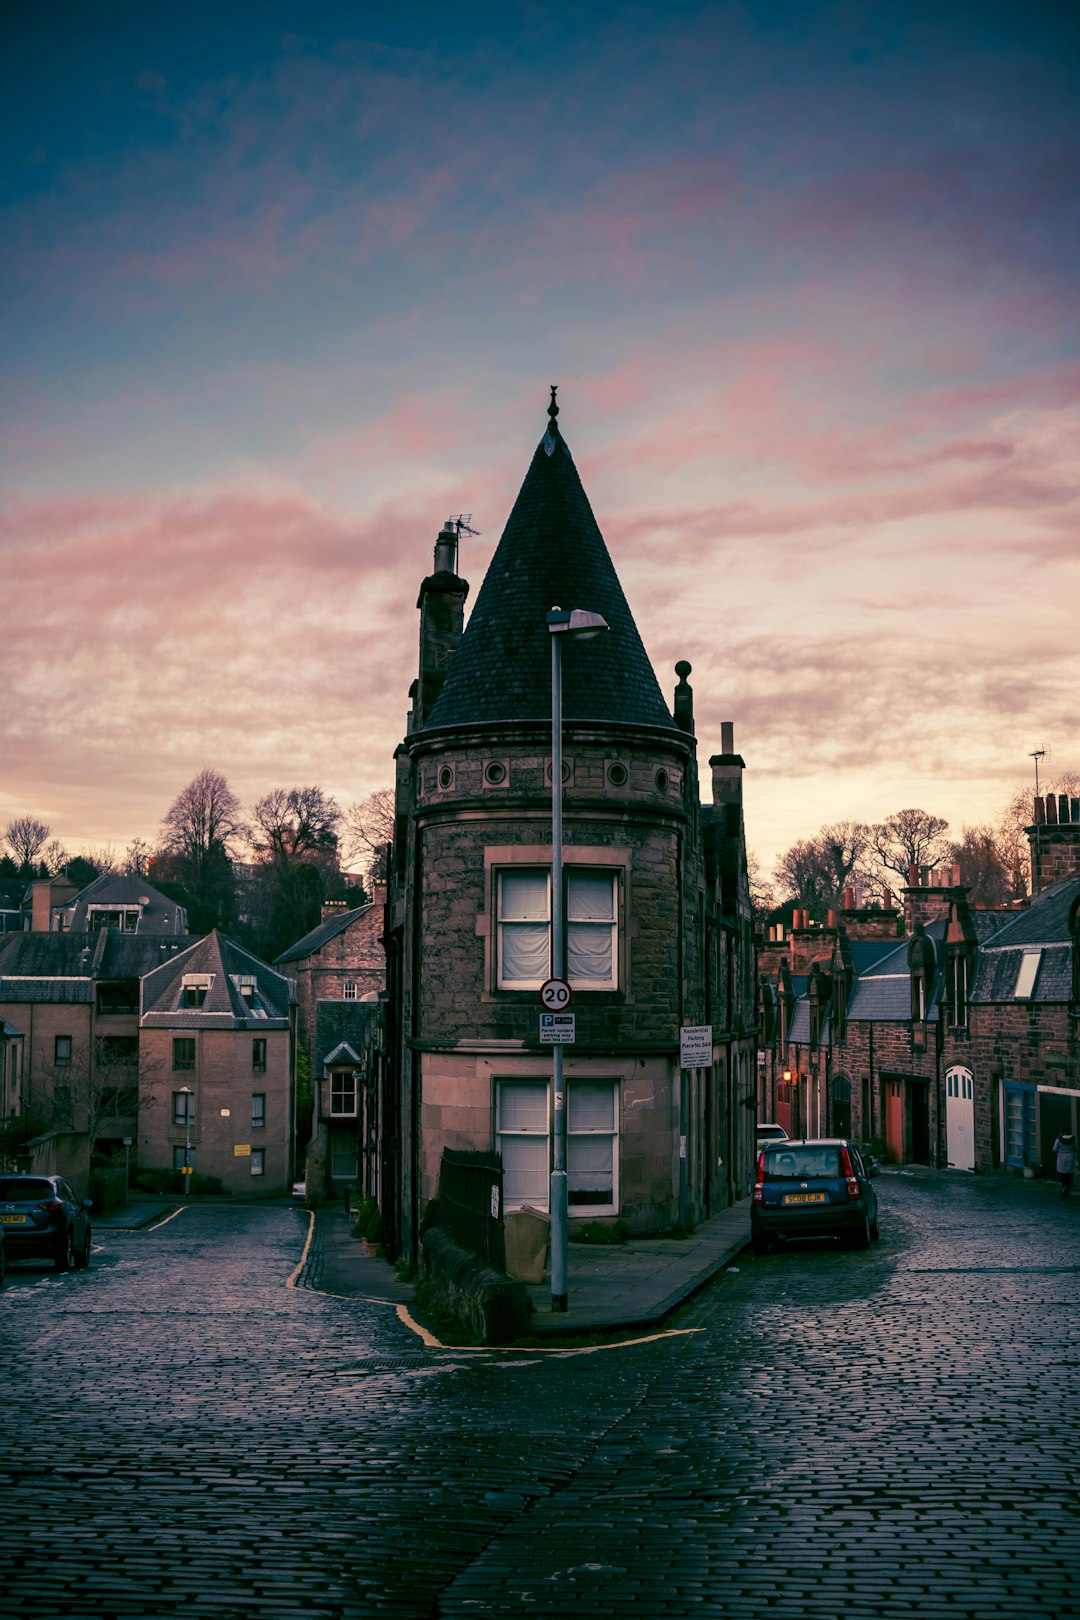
<point>471,1203</point>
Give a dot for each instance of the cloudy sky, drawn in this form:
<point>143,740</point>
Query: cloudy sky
<point>282,287</point>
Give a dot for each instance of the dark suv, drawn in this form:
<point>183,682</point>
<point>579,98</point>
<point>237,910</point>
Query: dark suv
<point>818,1188</point>
<point>41,1216</point>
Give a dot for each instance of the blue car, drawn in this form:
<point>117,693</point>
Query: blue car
<point>811,1189</point>
<point>43,1219</point>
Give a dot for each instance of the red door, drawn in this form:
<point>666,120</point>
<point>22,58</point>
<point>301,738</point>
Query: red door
<point>894,1121</point>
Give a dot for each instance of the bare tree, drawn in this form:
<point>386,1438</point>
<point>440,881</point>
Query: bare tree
<point>103,856</point>
<point>908,838</point>
<point>815,871</point>
<point>985,866</point>
<point>201,829</point>
<point>136,858</point>
<point>26,837</point>
<point>55,857</point>
<point>803,877</point>
<point>203,815</point>
<point>290,823</point>
<point>762,893</point>
<point>369,828</point>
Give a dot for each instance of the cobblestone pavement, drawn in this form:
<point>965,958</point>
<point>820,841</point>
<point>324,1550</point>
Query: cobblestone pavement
<point>882,1434</point>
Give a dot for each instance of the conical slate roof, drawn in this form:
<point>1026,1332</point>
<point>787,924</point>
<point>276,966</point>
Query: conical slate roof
<point>551,554</point>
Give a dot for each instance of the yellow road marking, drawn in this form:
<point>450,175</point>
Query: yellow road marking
<point>291,1282</point>
<point>168,1218</point>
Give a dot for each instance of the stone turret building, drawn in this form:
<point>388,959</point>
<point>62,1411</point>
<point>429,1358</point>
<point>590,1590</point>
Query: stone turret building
<point>656,902</point>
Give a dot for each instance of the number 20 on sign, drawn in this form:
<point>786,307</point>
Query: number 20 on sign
<point>555,995</point>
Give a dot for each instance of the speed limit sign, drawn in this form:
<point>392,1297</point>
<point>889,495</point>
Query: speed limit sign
<point>555,995</point>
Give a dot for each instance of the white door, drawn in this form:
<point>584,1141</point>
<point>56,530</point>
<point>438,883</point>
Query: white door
<point>960,1119</point>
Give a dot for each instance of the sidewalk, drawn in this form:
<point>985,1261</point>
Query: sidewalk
<point>632,1286</point>
<point>637,1284</point>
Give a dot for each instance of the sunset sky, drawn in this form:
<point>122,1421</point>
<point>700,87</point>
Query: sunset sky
<point>283,287</point>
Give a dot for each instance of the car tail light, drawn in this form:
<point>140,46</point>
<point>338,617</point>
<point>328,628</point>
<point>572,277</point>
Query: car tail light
<point>760,1177</point>
<point>50,1205</point>
<point>849,1174</point>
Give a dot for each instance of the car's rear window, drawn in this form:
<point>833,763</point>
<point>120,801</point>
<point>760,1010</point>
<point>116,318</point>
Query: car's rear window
<point>801,1163</point>
<point>14,1188</point>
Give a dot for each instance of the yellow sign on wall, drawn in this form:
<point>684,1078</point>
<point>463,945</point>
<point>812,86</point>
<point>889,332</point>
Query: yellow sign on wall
<point>242,1150</point>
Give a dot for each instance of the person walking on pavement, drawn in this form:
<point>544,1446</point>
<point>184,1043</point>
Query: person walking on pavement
<point>1065,1148</point>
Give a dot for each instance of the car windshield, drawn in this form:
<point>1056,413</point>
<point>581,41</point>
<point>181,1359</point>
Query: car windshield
<point>16,1187</point>
<point>801,1163</point>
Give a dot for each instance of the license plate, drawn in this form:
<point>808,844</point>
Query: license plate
<point>804,1198</point>
<point>12,1220</point>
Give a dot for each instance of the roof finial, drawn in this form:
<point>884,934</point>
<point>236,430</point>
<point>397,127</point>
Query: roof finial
<point>553,409</point>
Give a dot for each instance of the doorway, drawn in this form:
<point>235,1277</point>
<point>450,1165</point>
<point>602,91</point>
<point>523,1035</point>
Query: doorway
<point>959,1120</point>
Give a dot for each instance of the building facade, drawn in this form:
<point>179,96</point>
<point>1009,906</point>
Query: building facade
<point>954,1045</point>
<point>656,912</point>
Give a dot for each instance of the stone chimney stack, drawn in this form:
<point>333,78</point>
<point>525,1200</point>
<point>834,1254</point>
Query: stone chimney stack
<point>48,895</point>
<point>929,894</point>
<point>442,618</point>
<point>1054,840</point>
<point>727,768</point>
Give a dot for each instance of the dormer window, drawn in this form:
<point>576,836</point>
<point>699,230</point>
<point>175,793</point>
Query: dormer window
<point>194,989</point>
<point>1026,975</point>
<point>126,918</point>
<point>246,985</point>
<point>921,967</point>
<point>956,971</point>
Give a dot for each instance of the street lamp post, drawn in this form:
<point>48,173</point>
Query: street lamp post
<point>581,625</point>
<point>187,1094</point>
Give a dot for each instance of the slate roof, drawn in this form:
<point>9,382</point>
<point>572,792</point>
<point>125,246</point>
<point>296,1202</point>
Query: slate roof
<point>46,967</point>
<point>318,937</point>
<point>1045,921</point>
<point>224,1007</point>
<point>551,554</point>
<point>1044,925</point>
<point>338,1022</point>
<point>63,967</point>
<point>160,915</point>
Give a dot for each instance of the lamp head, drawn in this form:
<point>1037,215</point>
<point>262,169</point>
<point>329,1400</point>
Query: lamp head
<point>576,622</point>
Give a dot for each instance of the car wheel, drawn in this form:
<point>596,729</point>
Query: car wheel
<point>760,1245</point>
<point>65,1253</point>
<point>861,1236</point>
<point>874,1233</point>
<point>82,1259</point>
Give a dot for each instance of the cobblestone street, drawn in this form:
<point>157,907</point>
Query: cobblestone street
<point>881,1434</point>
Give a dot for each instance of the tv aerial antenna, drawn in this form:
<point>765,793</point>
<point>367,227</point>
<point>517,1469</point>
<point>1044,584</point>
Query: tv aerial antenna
<point>461,522</point>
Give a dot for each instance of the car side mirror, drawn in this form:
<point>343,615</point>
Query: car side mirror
<point>88,1203</point>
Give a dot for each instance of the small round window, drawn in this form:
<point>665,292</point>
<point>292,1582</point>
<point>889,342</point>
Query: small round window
<point>495,773</point>
<point>617,774</point>
<point>446,777</point>
<point>661,780</point>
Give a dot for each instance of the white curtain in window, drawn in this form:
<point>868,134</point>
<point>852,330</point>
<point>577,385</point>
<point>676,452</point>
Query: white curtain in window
<point>591,1107</point>
<point>590,896</point>
<point>524,931</point>
<point>590,914</point>
<point>588,952</point>
<point>525,1170</point>
<point>523,1105</point>
<point>590,1169</point>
